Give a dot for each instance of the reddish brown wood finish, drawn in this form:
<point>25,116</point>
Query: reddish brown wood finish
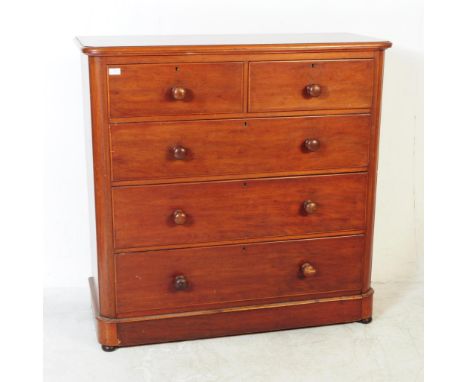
<point>374,155</point>
<point>222,205</point>
<point>230,321</point>
<point>239,322</point>
<point>282,85</point>
<point>145,280</point>
<point>146,89</point>
<point>106,331</point>
<point>236,210</point>
<point>227,44</point>
<point>233,147</point>
<point>102,186</point>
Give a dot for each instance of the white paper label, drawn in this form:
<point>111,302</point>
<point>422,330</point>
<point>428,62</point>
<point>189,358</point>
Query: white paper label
<point>114,71</point>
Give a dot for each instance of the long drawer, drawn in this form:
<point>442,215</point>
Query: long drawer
<point>188,278</point>
<point>232,147</point>
<point>191,213</point>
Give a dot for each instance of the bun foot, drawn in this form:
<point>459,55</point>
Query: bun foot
<point>108,348</point>
<point>366,320</point>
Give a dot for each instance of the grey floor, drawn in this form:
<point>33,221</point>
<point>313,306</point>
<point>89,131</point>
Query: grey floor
<point>389,349</point>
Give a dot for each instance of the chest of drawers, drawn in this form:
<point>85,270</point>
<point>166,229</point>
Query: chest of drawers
<point>232,182</point>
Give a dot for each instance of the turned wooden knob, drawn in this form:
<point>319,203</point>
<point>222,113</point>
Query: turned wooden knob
<point>178,93</point>
<point>308,270</point>
<point>179,152</point>
<point>180,217</point>
<point>309,206</point>
<point>313,90</point>
<point>180,282</point>
<point>312,144</point>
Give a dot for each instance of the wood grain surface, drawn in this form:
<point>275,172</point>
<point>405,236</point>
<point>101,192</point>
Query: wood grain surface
<point>143,216</point>
<point>144,151</point>
<point>145,280</point>
<point>145,89</point>
<point>280,85</point>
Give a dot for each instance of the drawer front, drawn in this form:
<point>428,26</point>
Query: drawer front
<point>311,85</point>
<point>179,214</point>
<point>234,147</point>
<point>143,90</point>
<point>201,276</point>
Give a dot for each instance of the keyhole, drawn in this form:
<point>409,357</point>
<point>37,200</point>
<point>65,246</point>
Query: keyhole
<point>177,68</point>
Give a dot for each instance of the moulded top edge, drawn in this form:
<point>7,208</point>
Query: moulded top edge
<point>140,45</point>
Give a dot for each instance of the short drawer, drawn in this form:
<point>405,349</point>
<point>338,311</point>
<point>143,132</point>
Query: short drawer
<point>189,213</point>
<point>311,85</point>
<point>233,147</point>
<point>188,278</point>
<point>143,90</point>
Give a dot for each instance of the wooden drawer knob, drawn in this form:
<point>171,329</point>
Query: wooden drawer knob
<point>309,207</point>
<point>313,90</point>
<point>179,216</point>
<point>308,270</point>
<point>178,93</point>
<point>312,144</point>
<point>180,282</point>
<point>179,152</point>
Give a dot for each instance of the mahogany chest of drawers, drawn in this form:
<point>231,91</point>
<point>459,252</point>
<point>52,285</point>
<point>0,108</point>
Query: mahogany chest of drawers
<point>233,182</point>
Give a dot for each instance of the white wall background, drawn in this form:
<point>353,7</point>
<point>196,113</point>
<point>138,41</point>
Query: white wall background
<point>398,231</point>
